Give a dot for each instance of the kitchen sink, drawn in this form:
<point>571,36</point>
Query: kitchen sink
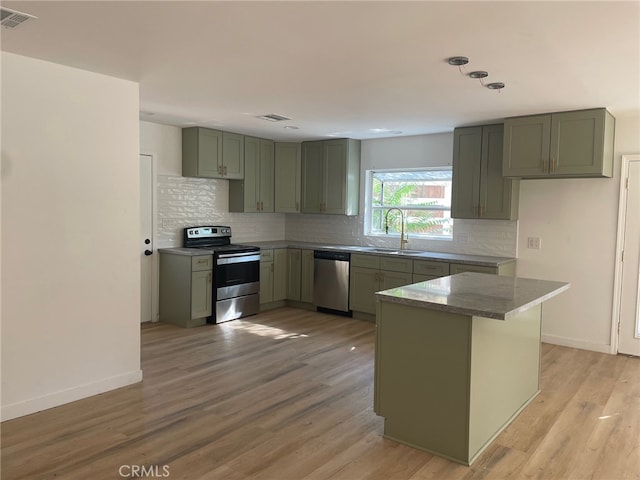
<point>390,251</point>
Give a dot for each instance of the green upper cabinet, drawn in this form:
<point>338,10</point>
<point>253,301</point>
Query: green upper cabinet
<point>201,152</point>
<point>232,155</point>
<point>563,144</point>
<point>331,176</point>
<point>288,163</point>
<point>212,154</point>
<point>478,188</point>
<point>255,192</point>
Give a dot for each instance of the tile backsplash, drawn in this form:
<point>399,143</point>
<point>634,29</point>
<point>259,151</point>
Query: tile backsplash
<point>473,237</point>
<point>185,201</point>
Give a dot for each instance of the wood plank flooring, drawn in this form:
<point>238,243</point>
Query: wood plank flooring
<point>288,394</point>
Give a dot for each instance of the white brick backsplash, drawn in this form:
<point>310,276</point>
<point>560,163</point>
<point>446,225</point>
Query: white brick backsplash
<point>474,237</point>
<point>185,201</point>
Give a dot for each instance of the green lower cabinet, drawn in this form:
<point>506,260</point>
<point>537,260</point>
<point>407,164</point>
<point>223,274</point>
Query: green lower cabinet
<point>186,289</point>
<point>441,380</point>
<point>395,279</point>
<point>418,277</point>
<point>306,276</point>
<point>363,283</point>
<point>266,282</point>
<point>294,284</point>
<point>273,275</point>
<point>503,269</point>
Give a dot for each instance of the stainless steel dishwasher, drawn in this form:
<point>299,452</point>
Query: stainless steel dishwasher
<point>331,281</point>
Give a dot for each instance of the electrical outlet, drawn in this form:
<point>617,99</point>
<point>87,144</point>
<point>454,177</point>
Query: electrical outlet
<point>534,243</point>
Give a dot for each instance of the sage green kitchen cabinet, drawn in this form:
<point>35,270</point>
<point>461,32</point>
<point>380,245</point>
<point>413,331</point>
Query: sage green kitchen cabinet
<point>294,280</point>
<point>186,289</point>
<point>201,152</point>
<point>503,269</point>
<point>288,166</point>
<point>424,270</point>
<point>370,274</point>
<point>232,166</point>
<point>212,154</point>
<point>254,193</point>
<point>273,275</point>
<point>306,274</point>
<point>331,176</point>
<point>561,144</point>
<point>478,188</point>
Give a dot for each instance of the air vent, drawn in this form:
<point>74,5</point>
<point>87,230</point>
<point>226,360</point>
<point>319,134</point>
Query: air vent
<point>272,117</point>
<point>12,18</point>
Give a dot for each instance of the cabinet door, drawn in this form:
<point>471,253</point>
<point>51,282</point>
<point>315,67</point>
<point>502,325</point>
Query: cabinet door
<point>419,277</point>
<point>306,274</point>
<point>209,153</point>
<point>335,176</point>
<point>251,174</point>
<point>266,175</point>
<point>287,177</point>
<point>201,294</point>
<point>467,160</point>
<point>363,283</point>
<point>293,274</point>
<point>526,146</point>
<point>312,176</point>
<point>498,195</point>
<point>577,142</point>
<point>395,279</point>
<point>266,282</point>
<point>279,274</point>
<point>233,155</point>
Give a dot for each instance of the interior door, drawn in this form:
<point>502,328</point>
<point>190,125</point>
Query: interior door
<point>146,237</point>
<point>629,332</point>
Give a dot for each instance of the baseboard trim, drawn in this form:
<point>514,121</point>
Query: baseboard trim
<point>573,343</point>
<point>55,399</point>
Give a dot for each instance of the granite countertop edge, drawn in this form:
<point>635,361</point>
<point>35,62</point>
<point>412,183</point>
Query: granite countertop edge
<point>405,296</point>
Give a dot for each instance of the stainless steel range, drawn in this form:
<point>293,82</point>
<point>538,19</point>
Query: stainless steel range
<point>236,272</point>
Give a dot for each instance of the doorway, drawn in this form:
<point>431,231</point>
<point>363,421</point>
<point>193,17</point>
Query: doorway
<point>628,266</point>
<point>147,258</point>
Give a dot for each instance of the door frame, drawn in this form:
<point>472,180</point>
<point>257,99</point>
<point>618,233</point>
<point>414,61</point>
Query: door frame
<point>617,284</point>
<point>155,263</point>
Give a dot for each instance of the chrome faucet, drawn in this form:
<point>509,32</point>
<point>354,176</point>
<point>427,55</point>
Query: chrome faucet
<point>403,240</point>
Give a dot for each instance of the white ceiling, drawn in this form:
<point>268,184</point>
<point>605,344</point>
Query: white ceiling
<point>348,69</point>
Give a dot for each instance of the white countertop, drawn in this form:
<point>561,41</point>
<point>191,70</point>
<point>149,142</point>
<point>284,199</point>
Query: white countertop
<point>483,295</point>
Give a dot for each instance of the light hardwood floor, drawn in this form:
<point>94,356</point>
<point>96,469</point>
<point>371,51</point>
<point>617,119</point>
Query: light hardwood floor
<point>287,395</point>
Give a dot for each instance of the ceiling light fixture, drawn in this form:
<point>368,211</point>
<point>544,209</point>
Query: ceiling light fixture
<point>495,86</point>
<point>479,74</point>
<point>458,61</point>
<point>273,117</point>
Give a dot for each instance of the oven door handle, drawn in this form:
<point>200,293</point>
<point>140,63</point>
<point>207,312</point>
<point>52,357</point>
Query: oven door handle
<point>227,258</point>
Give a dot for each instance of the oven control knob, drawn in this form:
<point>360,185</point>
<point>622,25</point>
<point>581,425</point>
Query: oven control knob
<point>148,252</point>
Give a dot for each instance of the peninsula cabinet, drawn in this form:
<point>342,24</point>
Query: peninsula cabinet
<point>254,193</point>
<point>212,154</point>
<point>186,289</point>
<point>331,176</point>
<point>564,144</point>
<point>288,165</point>
<point>478,188</point>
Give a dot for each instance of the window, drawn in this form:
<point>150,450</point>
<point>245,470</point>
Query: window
<point>423,195</point>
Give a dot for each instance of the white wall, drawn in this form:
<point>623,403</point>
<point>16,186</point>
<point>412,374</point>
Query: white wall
<point>479,237</point>
<point>70,228</point>
<point>576,220</point>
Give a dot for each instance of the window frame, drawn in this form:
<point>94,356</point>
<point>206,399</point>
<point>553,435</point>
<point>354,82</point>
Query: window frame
<point>369,207</point>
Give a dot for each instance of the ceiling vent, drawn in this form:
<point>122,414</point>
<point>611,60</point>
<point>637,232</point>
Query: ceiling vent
<point>272,117</point>
<point>12,18</point>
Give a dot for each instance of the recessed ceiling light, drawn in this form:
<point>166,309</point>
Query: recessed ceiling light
<point>495,85</point>
<point>458,61</point>
<point>479,74</point>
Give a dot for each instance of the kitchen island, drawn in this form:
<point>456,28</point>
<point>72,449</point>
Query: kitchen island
<point>457,358</point>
